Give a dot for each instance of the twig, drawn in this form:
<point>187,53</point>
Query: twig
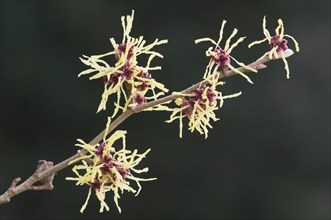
<point>45,171</point>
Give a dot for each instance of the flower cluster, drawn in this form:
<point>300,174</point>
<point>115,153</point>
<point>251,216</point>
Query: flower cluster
<point>220,58</point>
<point>105,168</point>
<point>126,77</point>
<point>278,45</point>
<point>199,106</point>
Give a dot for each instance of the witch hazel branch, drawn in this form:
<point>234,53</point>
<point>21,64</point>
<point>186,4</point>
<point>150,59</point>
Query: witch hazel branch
<point>104,168</point>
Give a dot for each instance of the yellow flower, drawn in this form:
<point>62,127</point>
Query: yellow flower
<point>126,77</point>
<point>199,106</point>
<point>220,57</point>
<point>105,169</point>
<point>278,45</point>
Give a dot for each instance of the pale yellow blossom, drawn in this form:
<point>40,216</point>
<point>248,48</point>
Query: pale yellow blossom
<point>220,58</point>
<point>200,106</point>
<point>126,77</point>
<point>105,168</point>
<point>278,45</point>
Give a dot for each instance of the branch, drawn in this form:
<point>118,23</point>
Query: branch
<point>45,170</point>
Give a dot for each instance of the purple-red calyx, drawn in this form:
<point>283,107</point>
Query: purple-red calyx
<point>99,150</point>
<point>280,44</point>
<point>122,48</point>
<point>221,58</point>
<point>139,99</point>
<point>108,163</point>
<point>95,186</point>
<point>211,96</point>
<point>144,85</point>
<point>127,71</point>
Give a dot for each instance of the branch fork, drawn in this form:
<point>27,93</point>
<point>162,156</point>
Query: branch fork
<point>46,183</point>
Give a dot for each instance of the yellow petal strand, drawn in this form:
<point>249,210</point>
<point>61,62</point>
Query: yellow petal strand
<point>232,95</point>
<point>235,44</point>
<point>221,100</point>
<point>124,28</point>
<point>107,128</point>
<point>141,179</point>
<point>220,83</point>
<point>275,53</point>
<point>116,202</point>
<point>160,86</point>
<point>149,60</point>
<point>104,98</point>
<point>104,73</point>
<point>129,22</point>
<point>265,30</point>
<point>205,131</point>
<point>141,170</point>
<point>205,39</point>
<point>123,92</point>
<point>158,108</point>
<point>257,42</point>
<point>210,64</point>
<point>272,52</point>
<point>85,72</point>
<point>280,24</point>
<point>240,73</point>
<point>281,29</point>
<point>227,44</point>
<point>71,178</point>
<point>297,49</point>
<point>101,196</point>
<point>139,41</point>
<point>181,124</point>
<point>113,43</point>
<point>118,103</point>
<point>97,57</point>
<point>154,53</point>
<point>150,46</point>
<point>243,65</point>
<point>286,65</point>
<point>107,92</point>
<point>86,201</point>
<point>221,33</point>
<point>78,159</point>
<point>156,96</point>
<point>116,136</point>
<point>173,116</point>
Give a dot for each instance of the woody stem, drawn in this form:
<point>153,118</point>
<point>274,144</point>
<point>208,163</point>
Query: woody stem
<point>15,189</point>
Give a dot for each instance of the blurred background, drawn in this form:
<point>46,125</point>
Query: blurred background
<point>267,158</point>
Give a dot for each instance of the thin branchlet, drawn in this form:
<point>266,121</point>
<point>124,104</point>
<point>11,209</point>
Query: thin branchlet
<point>26,185</point>
<point>126,51</point>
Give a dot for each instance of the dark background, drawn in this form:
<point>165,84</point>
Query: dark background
<point>267,158</point>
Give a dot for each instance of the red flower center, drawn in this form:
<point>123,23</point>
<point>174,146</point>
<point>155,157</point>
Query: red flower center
<point>122,48</point>
<point>280,44</point>
<point>144,85</point>
<point>211,97</point>
<point>221,57</point>
<point>139,99</point>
